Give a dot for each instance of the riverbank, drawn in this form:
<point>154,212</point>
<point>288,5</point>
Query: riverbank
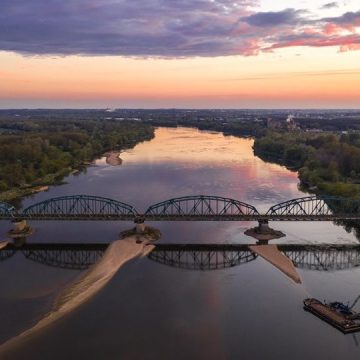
<point>327,164</point>
<point>31,160</point>
<point>42,184</point>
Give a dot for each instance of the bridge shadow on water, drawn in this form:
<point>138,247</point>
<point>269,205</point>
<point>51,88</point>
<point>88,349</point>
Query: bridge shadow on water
<point>199,257</point>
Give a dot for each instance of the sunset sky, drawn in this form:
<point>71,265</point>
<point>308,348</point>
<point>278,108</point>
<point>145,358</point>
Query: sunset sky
<point>179,53</point>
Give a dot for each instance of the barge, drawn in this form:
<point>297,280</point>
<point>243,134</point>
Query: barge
<point>336,314</point>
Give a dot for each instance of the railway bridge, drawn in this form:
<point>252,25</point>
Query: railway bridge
<point>187,208</point>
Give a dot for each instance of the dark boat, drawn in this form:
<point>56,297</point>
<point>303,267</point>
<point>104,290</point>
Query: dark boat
<point>336,314</point>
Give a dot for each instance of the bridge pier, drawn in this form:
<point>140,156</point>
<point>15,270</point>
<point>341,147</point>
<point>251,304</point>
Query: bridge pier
<point>263,232</point>
<point>139,225</point>
<point>20,231</point>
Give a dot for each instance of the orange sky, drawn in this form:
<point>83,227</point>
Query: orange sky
<point>306,54</point>
<point>287,78</point>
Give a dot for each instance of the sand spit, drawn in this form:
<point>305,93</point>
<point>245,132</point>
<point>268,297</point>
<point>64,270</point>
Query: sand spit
<point>275,257</point>
<point>88,284</point>
<point>3,244</point>
<point>113,158</point>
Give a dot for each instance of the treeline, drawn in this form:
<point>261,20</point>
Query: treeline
<point>35,152</point>
<point>328,163</point>
<point>236,128</point>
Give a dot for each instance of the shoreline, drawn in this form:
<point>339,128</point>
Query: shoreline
<point>57,179</point>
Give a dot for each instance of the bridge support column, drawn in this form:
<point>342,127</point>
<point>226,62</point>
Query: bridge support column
<point>139,225</point>
<point>264,226</point>
<point>20,231</point>
<point>263,232</point>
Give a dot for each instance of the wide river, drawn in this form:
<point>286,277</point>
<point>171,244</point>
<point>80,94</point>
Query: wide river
<point>148,310</point>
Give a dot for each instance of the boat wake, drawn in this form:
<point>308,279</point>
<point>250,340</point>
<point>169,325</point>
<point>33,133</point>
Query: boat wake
<point>88,284</point>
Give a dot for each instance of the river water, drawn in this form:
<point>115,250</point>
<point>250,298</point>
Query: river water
<point>147,310</point>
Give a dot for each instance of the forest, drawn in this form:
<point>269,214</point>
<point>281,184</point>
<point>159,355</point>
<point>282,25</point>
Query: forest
<point>328,163</point>
<point>42,151</point>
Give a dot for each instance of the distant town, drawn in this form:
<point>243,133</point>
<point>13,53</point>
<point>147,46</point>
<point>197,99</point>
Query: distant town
<point>284,119</point>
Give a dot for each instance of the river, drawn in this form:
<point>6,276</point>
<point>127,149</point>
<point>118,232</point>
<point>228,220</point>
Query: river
<point>147,310</point>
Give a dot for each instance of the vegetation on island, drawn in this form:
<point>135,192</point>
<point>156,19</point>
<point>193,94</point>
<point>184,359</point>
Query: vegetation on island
<point>37,152</point>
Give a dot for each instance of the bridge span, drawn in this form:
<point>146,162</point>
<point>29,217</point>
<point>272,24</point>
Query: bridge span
<point>187,208</point>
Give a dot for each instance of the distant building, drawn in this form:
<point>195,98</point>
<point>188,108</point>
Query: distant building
<point>291,124</point>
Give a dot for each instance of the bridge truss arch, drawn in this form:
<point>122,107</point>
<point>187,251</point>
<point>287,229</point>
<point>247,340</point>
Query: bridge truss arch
<point>80,207</point>
<point>317,206</point>
<point>201,206</point>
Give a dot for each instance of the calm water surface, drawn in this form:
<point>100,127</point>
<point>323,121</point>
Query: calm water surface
<point>148,310</point>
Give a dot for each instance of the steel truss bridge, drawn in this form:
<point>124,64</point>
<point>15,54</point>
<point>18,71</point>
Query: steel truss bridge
<point>188,208</point>
<point>191,256</point>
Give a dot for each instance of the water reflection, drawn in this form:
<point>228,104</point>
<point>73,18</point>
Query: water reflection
<point>74,256</point>
<point>88,284</point>
<point>191,256</point>
<point>6,254</point>
<point>202,257</point>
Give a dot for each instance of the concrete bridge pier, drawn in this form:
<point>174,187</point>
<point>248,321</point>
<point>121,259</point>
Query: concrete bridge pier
<point>263,232</point>
<point>139,225</point>
<point>20,231</point>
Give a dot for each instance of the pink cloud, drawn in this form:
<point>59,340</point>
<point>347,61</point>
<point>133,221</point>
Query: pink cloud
<point>166,28</point>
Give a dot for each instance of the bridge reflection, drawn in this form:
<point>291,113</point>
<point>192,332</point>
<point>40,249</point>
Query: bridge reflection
<point>208,257</point>
<point>67,256</point>
<point>202,257</point>
<point>191,256</point>
<point>6,254</point>
<point>325,258</point>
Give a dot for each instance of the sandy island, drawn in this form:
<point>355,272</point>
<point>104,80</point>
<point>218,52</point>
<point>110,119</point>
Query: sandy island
<point>113,158</point>
<point>87,285</point>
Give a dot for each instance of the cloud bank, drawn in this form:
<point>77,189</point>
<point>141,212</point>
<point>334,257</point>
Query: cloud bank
<point>166,28</point>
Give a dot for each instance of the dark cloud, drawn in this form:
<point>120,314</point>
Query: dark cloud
<point>156,28</point>
<point>349,18</point>
<point>271,19</point>
<point>330,5</point>
<point>121,27</point>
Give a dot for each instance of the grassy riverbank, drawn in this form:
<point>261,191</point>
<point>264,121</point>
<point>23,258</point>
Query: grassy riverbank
<point>40,152</point>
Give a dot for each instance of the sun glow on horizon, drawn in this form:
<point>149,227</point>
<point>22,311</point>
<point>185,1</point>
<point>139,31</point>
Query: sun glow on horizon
<point>314,63</point>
